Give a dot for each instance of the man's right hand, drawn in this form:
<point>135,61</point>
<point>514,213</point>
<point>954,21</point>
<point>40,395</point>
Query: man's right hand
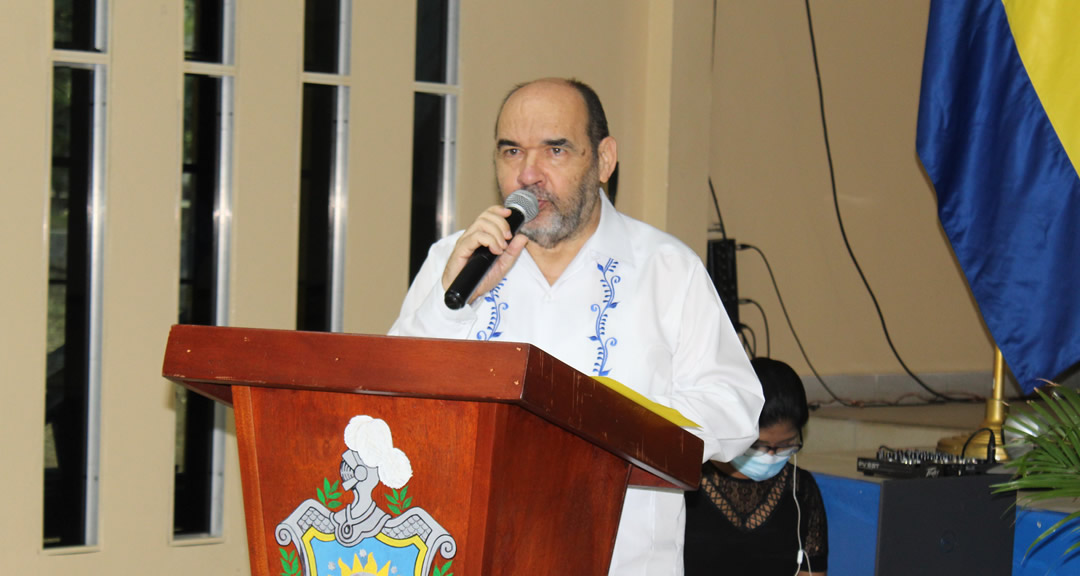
<point>490,229</point>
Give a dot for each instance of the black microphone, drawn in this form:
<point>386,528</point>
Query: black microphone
<point>523,208</point>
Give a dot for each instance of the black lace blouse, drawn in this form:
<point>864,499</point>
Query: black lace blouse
<point>741,527</point>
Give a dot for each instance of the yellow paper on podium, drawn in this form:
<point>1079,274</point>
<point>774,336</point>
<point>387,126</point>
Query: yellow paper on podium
<point>670,414</point>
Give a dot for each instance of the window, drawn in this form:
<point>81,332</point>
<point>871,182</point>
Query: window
<point>76,228</point>
<point>323,166</point>
<point>205,228</point>
<point>434,127</point>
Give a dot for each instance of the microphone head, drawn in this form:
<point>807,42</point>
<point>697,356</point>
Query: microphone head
<point>525,202</point>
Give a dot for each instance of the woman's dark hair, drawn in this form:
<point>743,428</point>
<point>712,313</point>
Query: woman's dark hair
<point>785,397</point>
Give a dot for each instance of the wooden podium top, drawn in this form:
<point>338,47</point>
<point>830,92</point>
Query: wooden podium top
<point>210,360</point>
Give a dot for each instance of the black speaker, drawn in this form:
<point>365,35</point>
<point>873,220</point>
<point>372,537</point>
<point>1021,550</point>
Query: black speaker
<point>945,526</point>
<point>721,266</point>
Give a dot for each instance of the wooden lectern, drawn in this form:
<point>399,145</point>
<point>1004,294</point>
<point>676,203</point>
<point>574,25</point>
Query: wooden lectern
<point>519,464</point>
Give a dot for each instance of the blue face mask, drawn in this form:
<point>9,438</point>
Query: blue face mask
<point>759,466</point>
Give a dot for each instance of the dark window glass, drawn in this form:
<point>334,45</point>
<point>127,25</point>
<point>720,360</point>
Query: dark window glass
<point>316,185</point>
<point>432,19</point>
<point>322,26</point>
<point>203,30</point>
<point>198,291</point>
<point>428,145</point>
<point>73,24</point>
<point>68,337</point>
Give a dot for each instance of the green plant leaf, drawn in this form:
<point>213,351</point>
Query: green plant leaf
<point>1050,531</point>
<point>1052,400</point>
<point>1058,455</point>
<point>1072,441</point>
<point>333,504</point>
<point>1024,432</point>
<point>1051,469</point>
<point>1050,421</point>
<point>1068,404</point>
<point>1057,401</point>
<point>406,503</point>
<point>394,509</point>
<point>321,497</point>
<point>1072,403</point>
<point>404,489</point>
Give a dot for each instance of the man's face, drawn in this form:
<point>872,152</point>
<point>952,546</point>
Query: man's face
<point>542,146</point>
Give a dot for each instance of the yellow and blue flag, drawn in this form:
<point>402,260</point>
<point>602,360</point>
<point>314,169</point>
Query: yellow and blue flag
<point>999,136</point>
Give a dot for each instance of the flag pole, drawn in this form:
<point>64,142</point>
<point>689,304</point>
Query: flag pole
<point>996,410</point>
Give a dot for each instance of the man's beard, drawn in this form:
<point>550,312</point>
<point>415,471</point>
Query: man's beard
<point>566,216</point>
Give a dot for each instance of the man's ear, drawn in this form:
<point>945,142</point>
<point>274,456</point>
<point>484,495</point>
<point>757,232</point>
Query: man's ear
<point>608,157</point>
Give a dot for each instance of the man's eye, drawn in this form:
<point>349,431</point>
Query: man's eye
<point>557,151</point>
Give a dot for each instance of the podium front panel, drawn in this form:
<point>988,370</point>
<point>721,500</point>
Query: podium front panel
<point>433,487</point>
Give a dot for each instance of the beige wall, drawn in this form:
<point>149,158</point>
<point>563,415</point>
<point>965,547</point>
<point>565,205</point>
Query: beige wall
<point>269,103</point>
<point>754,127</point>
<point>139,298</point>
<point>380,164</point>
<point>648,61</point>
<point>504,43</point>
<point>23,257</point>
<point>769,165</point>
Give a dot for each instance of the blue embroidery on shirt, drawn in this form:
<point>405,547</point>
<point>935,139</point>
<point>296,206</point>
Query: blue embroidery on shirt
<point>497,307</point>
<point>600,367</point>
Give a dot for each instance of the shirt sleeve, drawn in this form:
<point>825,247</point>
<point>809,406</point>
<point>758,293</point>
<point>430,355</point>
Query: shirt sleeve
<point>713,383</point>
<point>424,312</point>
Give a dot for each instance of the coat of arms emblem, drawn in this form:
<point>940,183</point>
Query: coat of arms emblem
<point>361,538</point>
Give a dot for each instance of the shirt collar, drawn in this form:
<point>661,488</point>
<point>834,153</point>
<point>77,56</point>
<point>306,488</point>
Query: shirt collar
<point>612,237</point>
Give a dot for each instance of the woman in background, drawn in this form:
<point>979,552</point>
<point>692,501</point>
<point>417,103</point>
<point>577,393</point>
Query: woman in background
<point>760,514</point>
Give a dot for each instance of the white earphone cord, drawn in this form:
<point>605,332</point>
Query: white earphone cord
<point>798,518</point>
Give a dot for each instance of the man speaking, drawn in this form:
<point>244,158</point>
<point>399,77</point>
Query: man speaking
<point>604,293</point>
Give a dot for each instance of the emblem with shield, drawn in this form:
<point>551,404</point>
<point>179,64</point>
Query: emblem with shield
<point>361,538</point>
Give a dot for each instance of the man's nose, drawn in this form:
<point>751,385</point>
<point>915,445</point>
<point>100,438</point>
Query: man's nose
<point>530,173</point>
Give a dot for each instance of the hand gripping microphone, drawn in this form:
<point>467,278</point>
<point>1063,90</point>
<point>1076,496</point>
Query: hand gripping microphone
<point>523,208</point>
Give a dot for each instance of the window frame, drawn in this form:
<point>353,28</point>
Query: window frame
<point>96,61</point>
<point>450,91</point>
<point>338,206</point>
<point>225,72</point>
